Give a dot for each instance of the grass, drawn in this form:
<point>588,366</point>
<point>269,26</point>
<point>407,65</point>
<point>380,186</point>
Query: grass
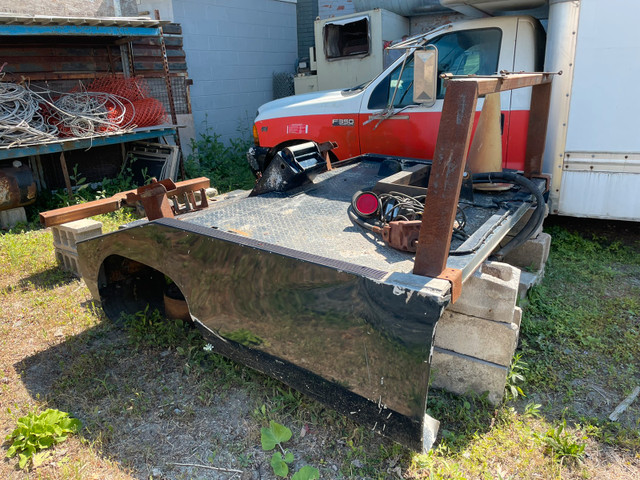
<point>150,394</point>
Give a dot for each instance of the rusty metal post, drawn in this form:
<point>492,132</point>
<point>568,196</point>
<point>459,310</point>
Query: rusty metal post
<point>445,180</point>
<point>172,105</point>
<point>65,174</point>
<point>537,130</point>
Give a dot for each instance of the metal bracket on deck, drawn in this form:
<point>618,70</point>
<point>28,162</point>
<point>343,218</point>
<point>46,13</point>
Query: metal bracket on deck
<point>454,277</point>
<point>154,198</point>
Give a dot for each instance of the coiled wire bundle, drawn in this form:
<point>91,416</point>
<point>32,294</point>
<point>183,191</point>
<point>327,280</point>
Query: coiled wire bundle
<point>85,114</point>
<point>21,120</point>
<point>32,115</point>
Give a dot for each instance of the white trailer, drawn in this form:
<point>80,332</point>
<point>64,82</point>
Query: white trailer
<point>349,50</point>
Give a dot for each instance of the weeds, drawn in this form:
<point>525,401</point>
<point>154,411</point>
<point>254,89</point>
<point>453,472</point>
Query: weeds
<point>226,166</point>
<point>274,436</point>
<point>82,191</point>
<point>562,444</point>
<point>515,377</point>
<point>37,432</point>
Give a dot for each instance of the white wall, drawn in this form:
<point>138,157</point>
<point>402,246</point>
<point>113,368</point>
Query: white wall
<point>233,47</point>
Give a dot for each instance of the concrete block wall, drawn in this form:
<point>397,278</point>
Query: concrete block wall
<point>476,337</point>
<point>233,49</point>
<point>306,12</point>
<point>66,236</point>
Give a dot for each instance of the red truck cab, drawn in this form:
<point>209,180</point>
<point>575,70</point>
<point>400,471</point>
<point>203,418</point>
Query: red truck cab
<point>353,117</point>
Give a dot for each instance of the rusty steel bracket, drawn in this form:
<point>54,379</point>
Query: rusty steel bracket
<point>450,156</point>
<point>454,277</point>
<point>547,180</point>
<point>187,202</point>
<point>155,199</point>
<point>402,234</point>
<point>164,189</point>
<point>324,149</point>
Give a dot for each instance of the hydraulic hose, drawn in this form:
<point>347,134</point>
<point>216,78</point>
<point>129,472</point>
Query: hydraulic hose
<point>537,217</point>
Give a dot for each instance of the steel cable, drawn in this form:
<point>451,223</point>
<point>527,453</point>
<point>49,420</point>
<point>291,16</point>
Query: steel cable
<point>34,115</point>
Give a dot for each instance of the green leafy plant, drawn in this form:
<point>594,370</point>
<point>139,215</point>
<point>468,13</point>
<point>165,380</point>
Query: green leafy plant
<point>563,444</point>
<point>37,432</point>
<point>274,436</point>
<point>515,376</point>
<point>532,409</point>
<point>225,165</point>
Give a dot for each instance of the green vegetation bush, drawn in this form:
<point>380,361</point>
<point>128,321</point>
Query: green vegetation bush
<point>225,165</point>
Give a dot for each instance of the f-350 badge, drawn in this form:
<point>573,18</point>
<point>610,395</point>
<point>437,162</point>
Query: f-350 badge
<point>343,122</point>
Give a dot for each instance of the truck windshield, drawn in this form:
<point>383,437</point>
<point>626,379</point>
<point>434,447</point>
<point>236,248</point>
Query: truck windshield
<point>465,52</point>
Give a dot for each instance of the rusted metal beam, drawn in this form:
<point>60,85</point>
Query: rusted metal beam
<point>447,170</point>
<point>65,174</point>
<point>106,205</point>
<point>537,130</point>
<point>501,83</point>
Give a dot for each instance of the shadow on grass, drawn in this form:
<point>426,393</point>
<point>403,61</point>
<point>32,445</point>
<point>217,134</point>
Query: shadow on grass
<point>148,408</point>
<point>50,278</point>
<point>139,407</point>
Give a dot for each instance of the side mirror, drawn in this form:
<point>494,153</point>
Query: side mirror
<point>425,75</point>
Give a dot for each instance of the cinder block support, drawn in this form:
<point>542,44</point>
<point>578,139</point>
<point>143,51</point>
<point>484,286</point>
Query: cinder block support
<point>462,374</point>
<point>10,218</point>
<point>490,293</point>
<point>531,255</point>
<point>477,336</point>
<point>66,236</point>
<point>68,261</point>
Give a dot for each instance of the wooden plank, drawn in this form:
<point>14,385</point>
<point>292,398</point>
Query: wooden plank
<point>50,76</point>
<point>65,174</point>
<point>158,66</point>
<point>170,41</point>
<point>624,405</point>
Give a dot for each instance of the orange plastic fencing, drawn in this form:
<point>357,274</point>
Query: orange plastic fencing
<point>141,110</point>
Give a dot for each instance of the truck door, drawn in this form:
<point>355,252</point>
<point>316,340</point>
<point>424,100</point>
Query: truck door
<point>412,130</point>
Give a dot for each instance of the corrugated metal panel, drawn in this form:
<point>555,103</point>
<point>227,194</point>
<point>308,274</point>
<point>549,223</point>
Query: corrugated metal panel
<point>45,20</point>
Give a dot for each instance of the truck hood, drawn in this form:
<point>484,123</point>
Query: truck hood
<point>316,103</point>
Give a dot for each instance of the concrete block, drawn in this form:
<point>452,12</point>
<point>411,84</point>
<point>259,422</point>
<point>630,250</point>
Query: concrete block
<point>67,260</point>
<point>483,339</point>
<point>528,280</point>
<point>490,293</point>
<point>10,218</point>
<point>68,234</point>
<point>517,318</point>
<point>462,374</point>
<point>531,255</point>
